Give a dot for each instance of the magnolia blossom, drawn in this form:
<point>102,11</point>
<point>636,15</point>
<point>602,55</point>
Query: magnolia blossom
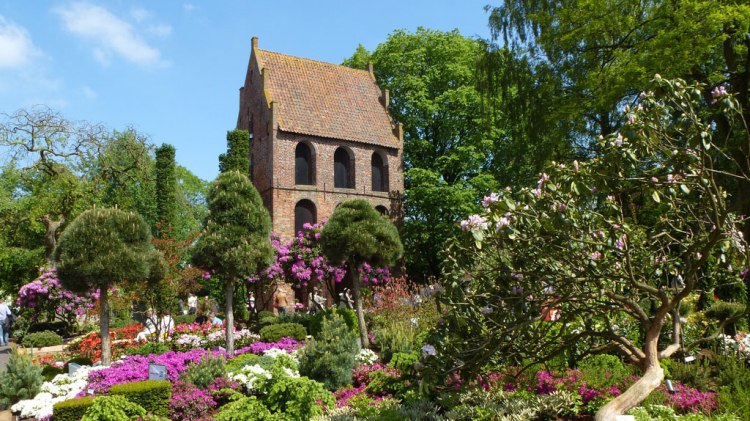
<point>503,222</point>
<point>618,140</point>
<point>718,93</point>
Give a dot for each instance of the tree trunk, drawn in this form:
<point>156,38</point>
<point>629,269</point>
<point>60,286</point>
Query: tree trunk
<point>104,325</point>
<point>50,235</point>
<point>358,305</point>
<point>230,317</point>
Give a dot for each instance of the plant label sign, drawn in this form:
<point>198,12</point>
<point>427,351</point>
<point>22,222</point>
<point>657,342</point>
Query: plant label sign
<point>72,368</point>
<point>157,372</point>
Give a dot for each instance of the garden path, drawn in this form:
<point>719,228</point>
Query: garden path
<point>4,354</point>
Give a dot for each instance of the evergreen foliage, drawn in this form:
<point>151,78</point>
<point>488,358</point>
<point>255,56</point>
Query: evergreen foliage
<point>152,395</point>
<point>166,188</point>
<point>331,356</point>
<point>71,409</point>
<point>42,339</point>
<point>316,321</point>
<point>22,380</point>
<point>205,372</point>
<point>357,234</point>
<point>237,157</point>
<point>102,248</point>
<point>274,332</point>
<point>235,242</point>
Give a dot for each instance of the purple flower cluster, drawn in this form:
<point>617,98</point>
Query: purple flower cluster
<point>46,294</point>
<point>286,344</point>
<point>190,403</point>
<point>687,399</point>
<point>135,368</point>
<point>301,262</point>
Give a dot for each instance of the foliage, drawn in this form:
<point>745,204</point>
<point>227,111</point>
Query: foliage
<point>603,370</point>
<point>151,395</point>
<point>298,398</point>
<point>246,408</point>
<point>155,348</point>
<point>42,339</point>
<point>237,157</point>
<point>450,141</point>
<point>21,380</point>
<point>72,409</point>
<point>113,408</point>
<point>358,234</point>
<point>102,248</point>
<point>166,188</point>
<point>331,356</point>
<point>316,321</point>
<point>478,404</point>
<point>608,237</point>
<point>45,296</point>
<point>234,242</point>
<point>189,403</point>
<point>202,374</point>
<point>273,333</point>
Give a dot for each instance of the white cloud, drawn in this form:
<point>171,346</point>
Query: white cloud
<point>160,30</point>
<point>189,8</point>
<point>140,14</point>
<point>16,48</point>
<point>89,93</point>
<point>110,34</point>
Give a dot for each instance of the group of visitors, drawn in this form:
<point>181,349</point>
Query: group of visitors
<point>6,322</point>
<point>159,326</point>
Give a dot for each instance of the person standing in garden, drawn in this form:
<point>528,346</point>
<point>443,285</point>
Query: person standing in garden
<point>280,302</point>
<point>6,318</point>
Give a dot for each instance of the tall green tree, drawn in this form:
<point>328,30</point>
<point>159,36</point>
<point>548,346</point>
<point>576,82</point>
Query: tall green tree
<point>448,140</point>
<point>603,53</point>
<point>235,243</point>
<point>166,188</point>
<point>357,234</point>
<point>102,248</point>
<point>237,157</point>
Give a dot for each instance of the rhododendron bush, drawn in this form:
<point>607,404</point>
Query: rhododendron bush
<point>46,297</point>
<point>598,246</point>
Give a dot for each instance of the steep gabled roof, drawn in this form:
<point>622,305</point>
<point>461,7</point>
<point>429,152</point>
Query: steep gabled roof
<point>326,100</point>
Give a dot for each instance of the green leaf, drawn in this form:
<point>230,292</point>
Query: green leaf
<point>684,188</point>
<point>655,195</point>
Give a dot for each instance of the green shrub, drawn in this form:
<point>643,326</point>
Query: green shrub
<point>184,319</point>
<point>275,332</point>
<point>42,339</point>
<point>246,408</point>
<point>72,409</point>
<point>265,313</point>
<point>152,395</point>
<point>404,362</point>
<point>156,348</point>
<point>400,336</point>
<point>602,370</point>
<point>113,408</point>
<point>205,372</point>
<point>20,381</point>
<point>297,398</point>
<point>734,391</point>
<point>49,372</point>
<point>331,358</point>
<point>316,321</point>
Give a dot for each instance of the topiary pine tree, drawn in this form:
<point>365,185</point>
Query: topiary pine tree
<point>102,248</point>
<point>238,152</point>
<point>331,356</point>
<point>235,242</point>
<point>357,234</point>
<point>166,189</point>
<point>21,380</point>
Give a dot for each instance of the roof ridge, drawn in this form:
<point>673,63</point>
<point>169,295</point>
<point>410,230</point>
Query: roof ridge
<point>341,66</point>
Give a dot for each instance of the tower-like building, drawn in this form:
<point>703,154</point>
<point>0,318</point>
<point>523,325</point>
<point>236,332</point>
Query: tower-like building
<point>320,134</point>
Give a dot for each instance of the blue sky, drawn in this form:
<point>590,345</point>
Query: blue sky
<point>172,69</point>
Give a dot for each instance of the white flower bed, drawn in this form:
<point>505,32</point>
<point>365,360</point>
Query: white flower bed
<point>367,356</point>
<point>61,388</point>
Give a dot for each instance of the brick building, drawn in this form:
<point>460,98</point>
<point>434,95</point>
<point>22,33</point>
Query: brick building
<point>321,134</point>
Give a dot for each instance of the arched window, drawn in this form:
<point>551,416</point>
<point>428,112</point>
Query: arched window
<point>304,167</point>
<point>304,213</point>
<point>343,173</point>
<point>379,173</point>
<point>382,209</point>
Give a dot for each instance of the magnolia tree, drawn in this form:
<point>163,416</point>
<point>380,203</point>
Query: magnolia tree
<point>102,248</point>
<point>301,262</point>
<point>357,234</point>
<point>600,255</point>
<point>234,242</point>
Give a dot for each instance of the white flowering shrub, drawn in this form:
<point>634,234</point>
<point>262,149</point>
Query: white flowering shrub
<point>61,388</point>
<point>367,356</point>
<point>251,376</point>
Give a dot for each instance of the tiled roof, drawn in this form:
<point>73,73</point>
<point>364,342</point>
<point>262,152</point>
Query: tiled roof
<point>326,100</point>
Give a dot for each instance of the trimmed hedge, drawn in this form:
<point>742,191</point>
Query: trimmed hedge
<point>152,395</point>
<point>72,409</point>
<point>316,321</point>
<point>275,332</point>
<point>42,339</point>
